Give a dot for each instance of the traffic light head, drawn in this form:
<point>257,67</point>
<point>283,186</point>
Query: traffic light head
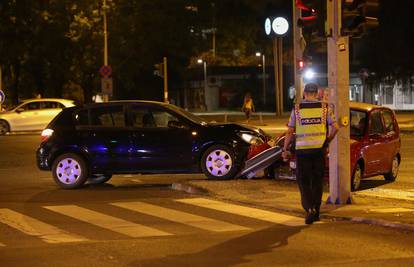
<point>359,16</point>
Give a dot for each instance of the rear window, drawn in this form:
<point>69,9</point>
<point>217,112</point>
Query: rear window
<point>105,116</point>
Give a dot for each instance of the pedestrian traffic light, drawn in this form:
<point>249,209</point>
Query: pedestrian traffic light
<point>359,16</point>
<point>159,69</point>
<point>301,65</point>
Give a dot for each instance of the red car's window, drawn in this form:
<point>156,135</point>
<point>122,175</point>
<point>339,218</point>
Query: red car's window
<point>388,121</point>
<point>358,122</point>
<point>377,127</point>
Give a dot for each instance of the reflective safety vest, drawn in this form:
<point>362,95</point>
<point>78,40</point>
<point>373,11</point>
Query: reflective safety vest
<point>310,123</point>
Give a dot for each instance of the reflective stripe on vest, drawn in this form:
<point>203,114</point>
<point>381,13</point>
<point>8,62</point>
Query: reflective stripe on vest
<point>310,125</point>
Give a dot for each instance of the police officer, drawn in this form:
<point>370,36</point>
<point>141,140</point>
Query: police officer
<point>309,121</point>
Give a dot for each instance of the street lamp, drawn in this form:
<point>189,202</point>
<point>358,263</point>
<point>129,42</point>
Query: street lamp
<point>200,61</point>
<point>258,54</point>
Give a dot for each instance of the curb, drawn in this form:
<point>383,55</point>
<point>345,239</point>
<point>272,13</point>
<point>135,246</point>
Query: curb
<point>191,189</point>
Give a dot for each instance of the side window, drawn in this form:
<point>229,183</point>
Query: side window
<point>51,104</point>
<point>376,123</point>
<point>162,118</point>
<point>31,106</point>
<point>109,116</point>
<point>358,122</point>
<point>388,120</point>
<point>143,117</point>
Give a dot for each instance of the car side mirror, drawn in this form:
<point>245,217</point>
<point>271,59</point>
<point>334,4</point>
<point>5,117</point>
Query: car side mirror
<point>19,110</point>
<point>177,125</point>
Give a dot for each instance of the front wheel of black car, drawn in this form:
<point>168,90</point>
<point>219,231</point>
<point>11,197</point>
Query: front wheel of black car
<point>69,171</point>
<point>99,178</point>
<point>218,162</point>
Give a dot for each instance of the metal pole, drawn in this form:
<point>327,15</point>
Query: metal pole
<point>298,47</point>
<point>280,66</point>
<point>276,72</point>
<point>105,34</point>
<point>164,65</point>
<point>264,79</point>
<point>205,83</point>
<point>338,82</point>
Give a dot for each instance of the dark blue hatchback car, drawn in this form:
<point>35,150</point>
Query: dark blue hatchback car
<point>93,142</point>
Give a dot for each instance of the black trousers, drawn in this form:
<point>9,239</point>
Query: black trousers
<point>309,174</point>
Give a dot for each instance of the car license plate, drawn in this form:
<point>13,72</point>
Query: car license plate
<point>292,164</point>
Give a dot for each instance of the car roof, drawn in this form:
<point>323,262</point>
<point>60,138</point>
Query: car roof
<point>363,106</point>
<point>128,101</point>
<point>63,100</point>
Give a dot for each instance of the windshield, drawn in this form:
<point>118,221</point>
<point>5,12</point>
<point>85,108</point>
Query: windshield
<point>188,115</point>
<point>358,123</point>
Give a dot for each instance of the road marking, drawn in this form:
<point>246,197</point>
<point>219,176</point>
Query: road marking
<point>259,214</point>
<point>2,245</point>
<point>392,210</point>
<point>33,227</point>
<point>388,193</point>
<point>107,222</point>
<point>181,217</point>
<point>138,181</point>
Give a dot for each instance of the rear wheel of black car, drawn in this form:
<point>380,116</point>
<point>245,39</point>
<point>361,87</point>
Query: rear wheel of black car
<point>4,127</point>
<point>356,178</point>
<point>69,171</point>
<point>218,162</point>
<point>99,178</point>
<point>392,175</point>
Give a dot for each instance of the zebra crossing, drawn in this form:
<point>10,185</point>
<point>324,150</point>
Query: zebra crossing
<point>50,233</point>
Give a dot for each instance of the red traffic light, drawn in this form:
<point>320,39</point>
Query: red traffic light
<point>301,64</point>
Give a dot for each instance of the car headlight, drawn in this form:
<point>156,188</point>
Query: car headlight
<point>251,139</point>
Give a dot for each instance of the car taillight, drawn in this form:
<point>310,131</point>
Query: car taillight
<point>46,134</point>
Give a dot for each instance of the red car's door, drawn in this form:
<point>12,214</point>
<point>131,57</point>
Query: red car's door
<point>391,139</point>
<point>376,145</point>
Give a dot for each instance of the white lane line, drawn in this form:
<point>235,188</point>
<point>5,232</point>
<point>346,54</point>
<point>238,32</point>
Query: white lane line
<point>138,181</point>
<point>388,193</point>
<point>255,213</point>
<point>392,210</point>
<point>2,245</point>
<point>33,227</point>
<point>108,222</point>
<point>181,217</point>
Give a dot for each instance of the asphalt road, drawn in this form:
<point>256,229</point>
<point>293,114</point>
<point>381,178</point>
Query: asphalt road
<point>137,220</point>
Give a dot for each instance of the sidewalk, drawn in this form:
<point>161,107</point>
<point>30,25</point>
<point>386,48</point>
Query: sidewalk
<point>283,196</point>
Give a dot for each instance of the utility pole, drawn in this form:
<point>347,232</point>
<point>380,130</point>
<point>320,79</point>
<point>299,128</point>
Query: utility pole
<point>164,65</point>
<point>338,83</point>
<point>298,47</point>
<point>105,95</point>
<point>278,70</point>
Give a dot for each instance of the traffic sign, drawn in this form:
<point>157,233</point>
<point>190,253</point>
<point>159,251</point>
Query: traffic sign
<point>106,86</point>
<point>105,71</point>
<point>2,97</point>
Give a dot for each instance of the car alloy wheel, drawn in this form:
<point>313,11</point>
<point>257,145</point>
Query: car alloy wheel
<point>356,178</point>
<point>4,127</point>
<point>69,171</point>
<point>218,163</point>
<point>392,175</point>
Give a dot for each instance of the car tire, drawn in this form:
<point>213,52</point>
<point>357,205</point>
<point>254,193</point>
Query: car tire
<point>4,127</point>
<point>356,178</point>
<point>218,162</point>
<point>392,175</point>
<point>70,171</point>
<point>99,178</point>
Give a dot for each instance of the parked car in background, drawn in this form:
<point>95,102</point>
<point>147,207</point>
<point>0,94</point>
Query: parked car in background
<point>98,140</point>
<point>32,115</point>
<point>374,145</point>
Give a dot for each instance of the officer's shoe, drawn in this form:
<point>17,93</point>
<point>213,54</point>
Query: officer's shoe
<point>316,215</point>
<point>310,216</point>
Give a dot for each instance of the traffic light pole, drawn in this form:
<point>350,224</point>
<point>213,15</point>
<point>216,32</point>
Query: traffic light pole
<point>338,83</point>
<point>278,69</point>
<point>298,47</point>
<point>164,65</point>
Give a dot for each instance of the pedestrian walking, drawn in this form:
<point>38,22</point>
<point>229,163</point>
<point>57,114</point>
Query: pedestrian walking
<point>310,121</point>
<point>248,106</point>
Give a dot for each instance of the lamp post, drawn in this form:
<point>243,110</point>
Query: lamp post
<point>258,54</point>
<point>200,61</point>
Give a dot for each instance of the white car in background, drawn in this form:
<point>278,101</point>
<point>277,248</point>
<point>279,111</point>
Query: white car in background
<point>32,115</point>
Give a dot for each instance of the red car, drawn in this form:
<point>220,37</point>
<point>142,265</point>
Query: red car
<point>375,145</point>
